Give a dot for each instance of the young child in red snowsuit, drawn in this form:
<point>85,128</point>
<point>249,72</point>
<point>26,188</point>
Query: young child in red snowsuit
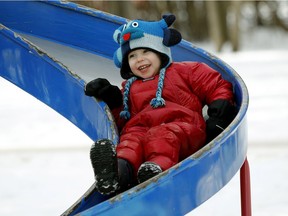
<point>159,109</point>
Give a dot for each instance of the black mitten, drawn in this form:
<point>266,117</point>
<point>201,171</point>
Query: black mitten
<point>221,113</point>
<point>92,88</point>
<point>103,90</point>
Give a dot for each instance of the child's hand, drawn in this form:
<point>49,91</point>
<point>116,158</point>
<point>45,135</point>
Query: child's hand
<point>93,87</point>
<point>214,126</point>
<point>220,113</point>
<point>103,90</point>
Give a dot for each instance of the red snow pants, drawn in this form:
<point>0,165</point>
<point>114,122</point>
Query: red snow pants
<point>165,144</point>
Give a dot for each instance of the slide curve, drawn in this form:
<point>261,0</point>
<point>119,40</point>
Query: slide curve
<point>176,191</point>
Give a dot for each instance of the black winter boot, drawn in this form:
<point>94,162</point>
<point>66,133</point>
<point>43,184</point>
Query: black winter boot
<point>148,170</point>
<point>104,162</point>
<point>126,176</point>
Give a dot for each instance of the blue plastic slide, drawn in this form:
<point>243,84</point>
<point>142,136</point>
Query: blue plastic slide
<point>176,191</point>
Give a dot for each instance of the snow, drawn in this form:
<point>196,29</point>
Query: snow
<point>44,159</point>
<point>265,74</point>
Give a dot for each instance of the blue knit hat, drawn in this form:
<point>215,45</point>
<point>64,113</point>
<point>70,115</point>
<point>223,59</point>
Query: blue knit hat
<point>154,35</point>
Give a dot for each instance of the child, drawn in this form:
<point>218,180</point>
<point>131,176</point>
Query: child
<point>159,110</point>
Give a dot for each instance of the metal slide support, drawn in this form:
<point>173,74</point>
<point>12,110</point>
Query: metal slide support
<point>245,189</point>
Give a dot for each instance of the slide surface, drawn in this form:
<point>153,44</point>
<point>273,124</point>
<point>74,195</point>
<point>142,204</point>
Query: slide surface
<point>26,59</point>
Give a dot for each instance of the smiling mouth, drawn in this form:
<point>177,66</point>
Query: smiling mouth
<point>143,67</point>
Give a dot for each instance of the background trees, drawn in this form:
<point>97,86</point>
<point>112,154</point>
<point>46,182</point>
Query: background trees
<point>218,21</point>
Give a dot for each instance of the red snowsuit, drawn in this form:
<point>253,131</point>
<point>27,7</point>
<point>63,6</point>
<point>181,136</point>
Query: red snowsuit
<point>168,134</point>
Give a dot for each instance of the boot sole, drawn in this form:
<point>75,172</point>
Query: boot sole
<point>104,162</point>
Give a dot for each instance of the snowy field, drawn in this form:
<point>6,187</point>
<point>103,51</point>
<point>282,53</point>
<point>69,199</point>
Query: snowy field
<point>44,159</point>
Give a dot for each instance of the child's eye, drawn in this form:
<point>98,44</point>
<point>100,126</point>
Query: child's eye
<point>131,56</point>
<point>146,50</point>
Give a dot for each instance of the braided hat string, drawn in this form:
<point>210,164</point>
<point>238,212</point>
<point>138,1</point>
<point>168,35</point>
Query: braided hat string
<point>125,113</point>
<point>158,101</point>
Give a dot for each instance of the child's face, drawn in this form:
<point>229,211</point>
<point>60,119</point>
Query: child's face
<point>144,63</point>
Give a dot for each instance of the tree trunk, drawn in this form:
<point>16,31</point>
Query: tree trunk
<point>217,25</point>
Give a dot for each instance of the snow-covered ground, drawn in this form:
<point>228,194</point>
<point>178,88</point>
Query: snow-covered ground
<point>44,159</point>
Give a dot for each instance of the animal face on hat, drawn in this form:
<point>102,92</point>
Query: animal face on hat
<point>155,35</point>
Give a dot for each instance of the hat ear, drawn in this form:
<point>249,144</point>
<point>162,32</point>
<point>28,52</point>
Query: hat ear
<point>117,57</point>
<point>117,34</point>
<point>171,37</point>
<point>169,19</point>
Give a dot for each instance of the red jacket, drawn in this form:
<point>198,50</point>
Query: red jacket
<point>188,86</point>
